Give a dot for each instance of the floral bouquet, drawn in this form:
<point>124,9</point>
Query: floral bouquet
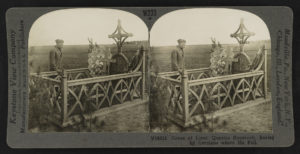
<point>218,65</point>
<point>97,58</point>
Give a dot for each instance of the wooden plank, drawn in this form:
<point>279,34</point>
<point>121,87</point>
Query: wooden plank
<point>64,90</point>
<point>44,73</point>
<point>266,74</point>
<point>77,70</point>
<point>188,71</point>
<point>50,80</point>
<point>185,95</point>
<point>143,86</point>
<point>174,81</point>
<point>45,78</point>
<point>103,78</point>
<point>50,73</point>
<point>224,78</point>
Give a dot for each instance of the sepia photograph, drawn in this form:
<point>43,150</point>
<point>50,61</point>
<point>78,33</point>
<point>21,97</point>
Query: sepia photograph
<point>210,72</point>
<point>119,77</point>
<point>87,72</point>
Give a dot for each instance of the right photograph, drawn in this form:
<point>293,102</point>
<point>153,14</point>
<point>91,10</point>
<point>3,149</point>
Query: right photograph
<point>210,72</point>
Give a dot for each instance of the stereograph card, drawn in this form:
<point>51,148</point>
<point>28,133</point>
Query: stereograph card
<point>150,77</point>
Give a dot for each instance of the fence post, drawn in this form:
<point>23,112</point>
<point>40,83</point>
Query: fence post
<point>64,92</point>
<point>265,73</point>
<point>143,74</point>
<point>185,95</point>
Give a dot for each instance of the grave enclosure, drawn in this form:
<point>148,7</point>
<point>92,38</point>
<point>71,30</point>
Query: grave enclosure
<point>196,95</point>
<point>75,94</point>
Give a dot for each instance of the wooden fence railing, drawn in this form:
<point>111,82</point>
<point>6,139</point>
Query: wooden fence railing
<point>195,93</point>
<point>74,92</point>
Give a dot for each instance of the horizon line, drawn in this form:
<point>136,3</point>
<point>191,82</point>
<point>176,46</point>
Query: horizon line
<point>145,41</point>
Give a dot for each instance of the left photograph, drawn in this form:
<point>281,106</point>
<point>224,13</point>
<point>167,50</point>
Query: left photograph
<point>87,72</point>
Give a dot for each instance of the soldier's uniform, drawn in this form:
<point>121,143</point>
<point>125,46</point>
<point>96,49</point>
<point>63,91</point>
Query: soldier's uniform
<point>177,59</point>
<point>55,59</point>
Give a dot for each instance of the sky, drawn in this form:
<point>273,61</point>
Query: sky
<point>75,26</point>
<point>197,26</point>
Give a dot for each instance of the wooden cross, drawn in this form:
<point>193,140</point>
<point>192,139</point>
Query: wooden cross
<point>119,36</point>
<point>242,34</point>
<point>121,62</point>
<point>241,61</point>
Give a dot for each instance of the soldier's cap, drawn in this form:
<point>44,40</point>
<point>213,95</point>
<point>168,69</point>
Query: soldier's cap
<point>181,40</point>
<point>59,41</point>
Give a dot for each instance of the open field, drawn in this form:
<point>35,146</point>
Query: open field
<point>198,56</point>
<point>74,56</point>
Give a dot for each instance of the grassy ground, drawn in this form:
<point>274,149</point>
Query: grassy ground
<point>257,119</point>
<point>134,119</point>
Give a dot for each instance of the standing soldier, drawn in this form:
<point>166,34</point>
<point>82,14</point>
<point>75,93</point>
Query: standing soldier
<point>177,57</point>
<point>56,56</point>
